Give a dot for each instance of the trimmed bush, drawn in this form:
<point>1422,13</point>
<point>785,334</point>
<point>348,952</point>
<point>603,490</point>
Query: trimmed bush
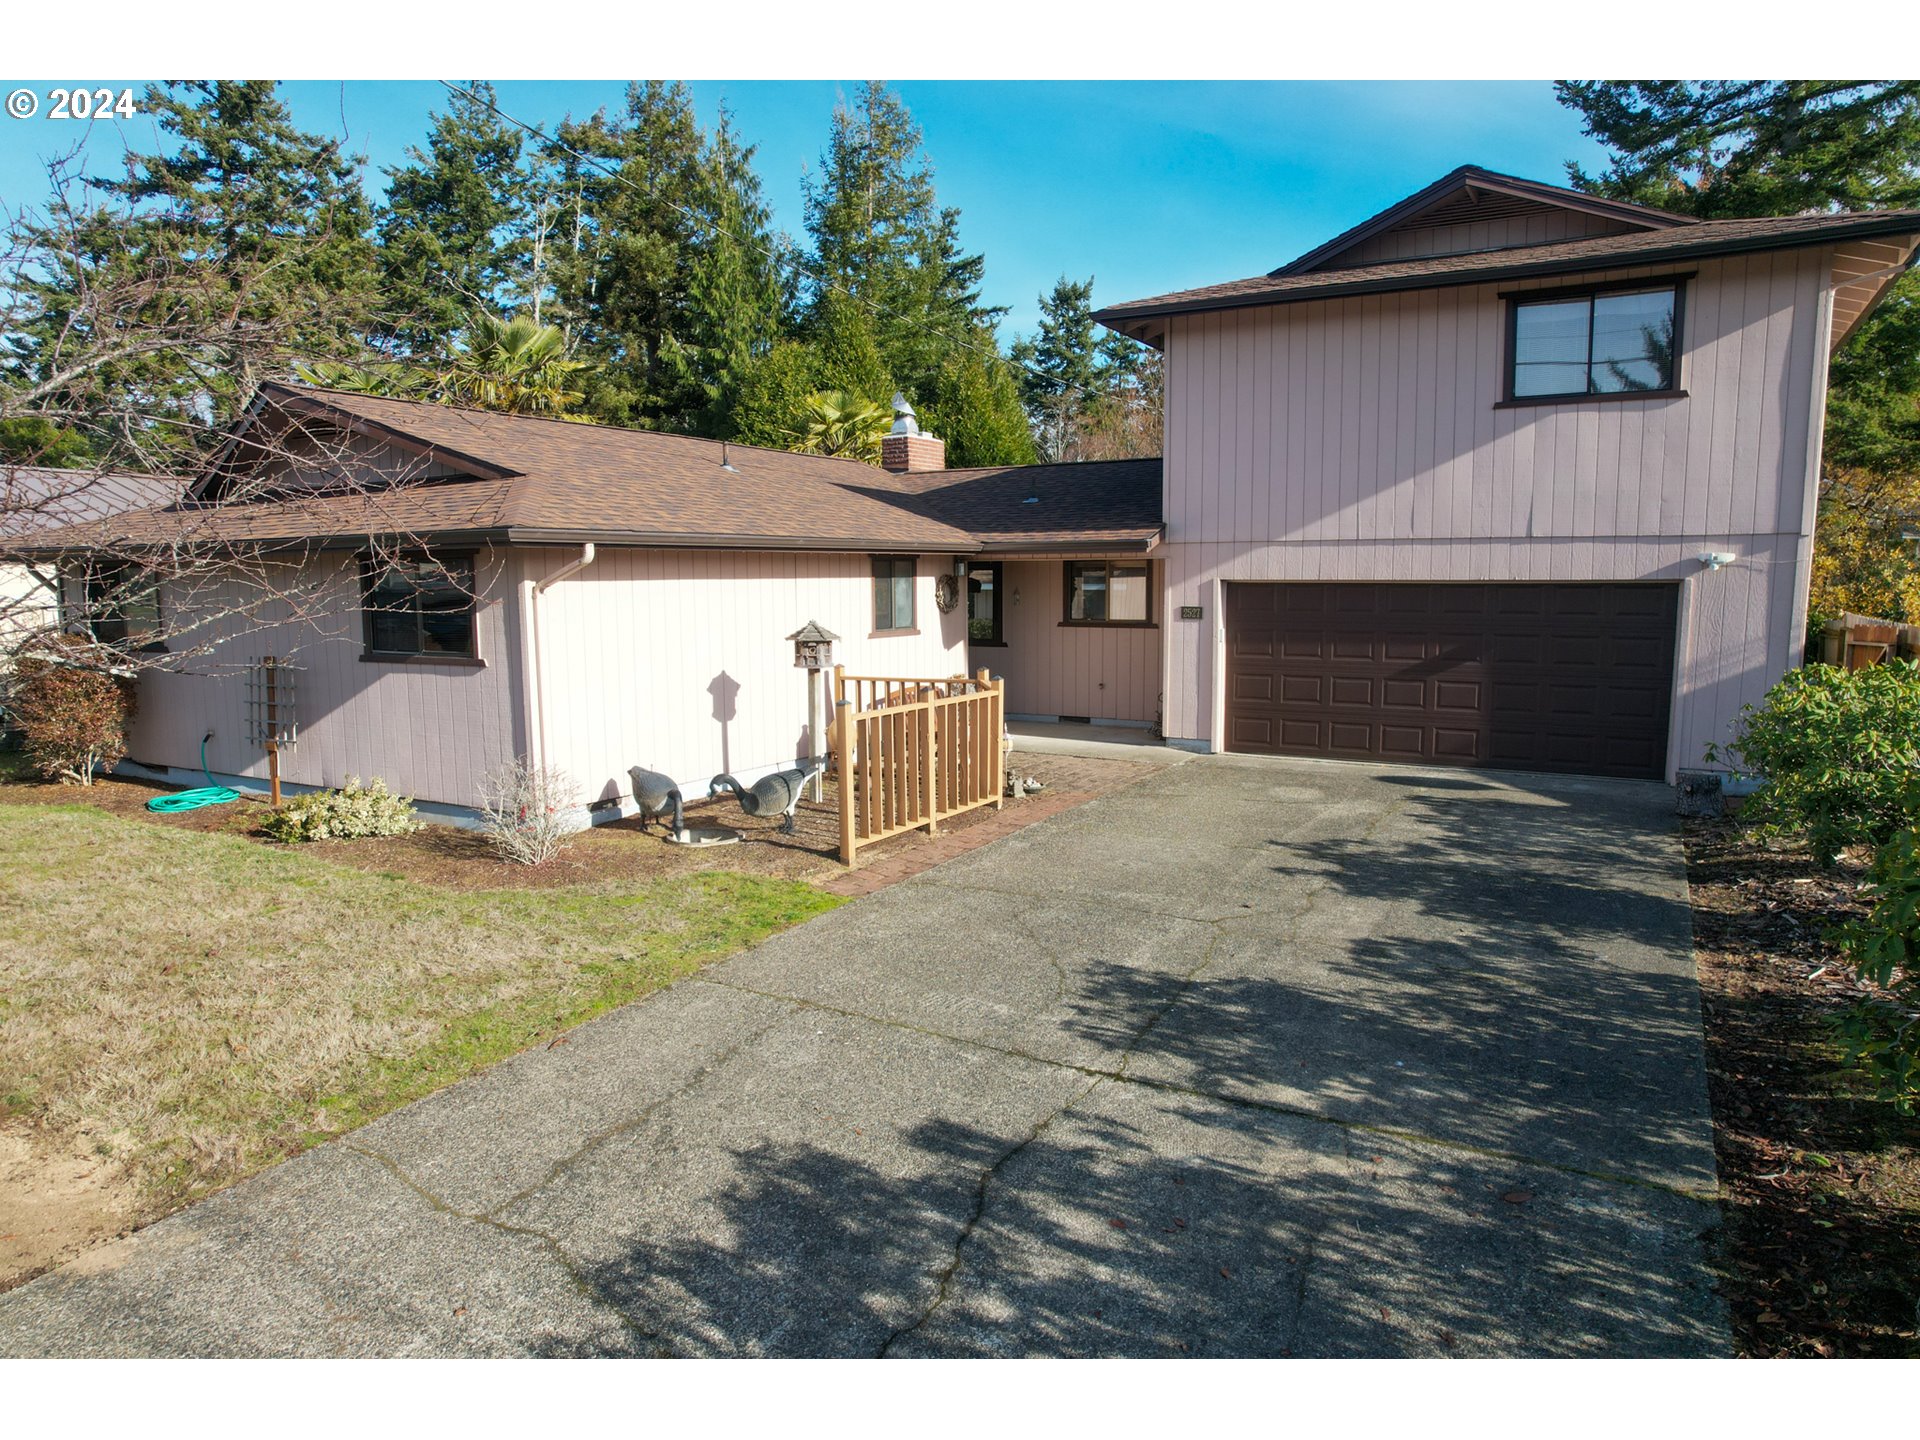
<point>1840,752</point>
<point>73,713</point>
<point>353,812</point>
<point>1882,1031</point>
<point>527,811</point>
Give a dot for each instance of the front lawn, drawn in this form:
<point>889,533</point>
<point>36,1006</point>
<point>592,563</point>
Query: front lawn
<point>194,1005</point>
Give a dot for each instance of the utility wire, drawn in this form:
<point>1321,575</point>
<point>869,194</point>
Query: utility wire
<point>772,252</point>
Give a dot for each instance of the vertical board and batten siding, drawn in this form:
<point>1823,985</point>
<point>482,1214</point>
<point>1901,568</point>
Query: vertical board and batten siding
<point>1103,673</point>
<point>1543,227</point>
<point>1371,446</point>
<point>643,648</point>
<point>430,731</point>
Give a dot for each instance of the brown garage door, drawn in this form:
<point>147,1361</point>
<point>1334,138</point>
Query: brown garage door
<point>1522,677</point>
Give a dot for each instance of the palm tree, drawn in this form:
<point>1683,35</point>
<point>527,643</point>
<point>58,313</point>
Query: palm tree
<point>838,422</point>
<point>516,366</point>
<point>384,377</point>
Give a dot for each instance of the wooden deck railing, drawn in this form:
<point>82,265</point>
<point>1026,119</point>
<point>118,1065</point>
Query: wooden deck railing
<point>925,751</point>
<point>873,692</point>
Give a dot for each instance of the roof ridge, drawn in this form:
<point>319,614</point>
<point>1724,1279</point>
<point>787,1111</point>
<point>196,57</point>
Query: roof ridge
<point>299,388</point>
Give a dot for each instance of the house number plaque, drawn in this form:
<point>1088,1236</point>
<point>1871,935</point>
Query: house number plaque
<point>1189,612</point>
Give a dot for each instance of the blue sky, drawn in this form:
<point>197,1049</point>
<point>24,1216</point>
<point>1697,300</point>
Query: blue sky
<point>1147,186</point>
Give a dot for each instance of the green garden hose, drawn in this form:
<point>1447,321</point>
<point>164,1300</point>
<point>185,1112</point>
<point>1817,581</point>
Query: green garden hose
<point>208,794</point>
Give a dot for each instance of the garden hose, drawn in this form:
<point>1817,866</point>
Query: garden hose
<point>208,794</point>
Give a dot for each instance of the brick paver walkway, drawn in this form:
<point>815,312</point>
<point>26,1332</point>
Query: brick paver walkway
<point>1071,780</point>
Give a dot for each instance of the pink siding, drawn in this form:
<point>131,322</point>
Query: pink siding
<point>1542,228</point>
<point>1374,420</point>
<point>642,645</point>
<point>1051,669</point>
<point>430,731</point>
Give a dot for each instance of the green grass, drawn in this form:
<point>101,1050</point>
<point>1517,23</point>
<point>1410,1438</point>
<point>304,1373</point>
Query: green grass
<point>201,1005</point>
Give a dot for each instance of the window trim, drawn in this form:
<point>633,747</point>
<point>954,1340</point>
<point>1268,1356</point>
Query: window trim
<point>1067,622</point>
<point>892,561</point>
<point>369,567</point>
<point>999,569</point>
<point>1515,299</point>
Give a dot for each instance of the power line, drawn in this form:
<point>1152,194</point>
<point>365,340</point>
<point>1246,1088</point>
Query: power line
<point>772,252</point>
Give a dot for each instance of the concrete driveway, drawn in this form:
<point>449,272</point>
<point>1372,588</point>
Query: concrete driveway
<point>1251,1058</point>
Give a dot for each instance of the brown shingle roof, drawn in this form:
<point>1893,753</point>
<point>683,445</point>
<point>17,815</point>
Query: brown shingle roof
<point>1654,247</point>
<point>35,498</point>
<point>1113,503</point>
<point>555,481</point>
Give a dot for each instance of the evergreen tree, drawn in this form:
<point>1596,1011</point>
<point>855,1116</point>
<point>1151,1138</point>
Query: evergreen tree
<point>453,230</point>
<point>1723,149</point>
<point>739,299</point>
<point>880,236</point>
<point>169,292</point>
<point>1079,379</point>
<point>975,407</point>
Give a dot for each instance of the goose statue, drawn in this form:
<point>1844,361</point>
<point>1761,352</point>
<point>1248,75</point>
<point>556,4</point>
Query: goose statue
<point>656,794</point>
<point>778,793</point>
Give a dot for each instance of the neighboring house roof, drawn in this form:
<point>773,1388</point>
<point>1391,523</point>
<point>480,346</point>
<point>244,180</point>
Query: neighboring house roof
<point>1673,244</point>
<point>540,481</point>
<point>36,498</point>
<point>1473,194</point>
<point>1088,505</point>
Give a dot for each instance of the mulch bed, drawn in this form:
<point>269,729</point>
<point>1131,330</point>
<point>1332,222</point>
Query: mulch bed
<point>1820,1180</point>
<point>611,854</point>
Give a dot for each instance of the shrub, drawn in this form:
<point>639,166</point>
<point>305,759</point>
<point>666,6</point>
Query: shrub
<point>1840,752</point>
<point>1882,1031</point>
<point>73,713</point>
<point>527,811</point>
<point>353,812</point>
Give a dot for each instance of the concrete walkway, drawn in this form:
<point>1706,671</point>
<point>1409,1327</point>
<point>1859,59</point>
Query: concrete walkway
<point>1249,1058</point>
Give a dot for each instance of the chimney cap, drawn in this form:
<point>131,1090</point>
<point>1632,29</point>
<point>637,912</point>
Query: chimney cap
<point>903,421</point>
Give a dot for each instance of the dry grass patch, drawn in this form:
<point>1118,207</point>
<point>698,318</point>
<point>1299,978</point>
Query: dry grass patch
<point>197,1005</point>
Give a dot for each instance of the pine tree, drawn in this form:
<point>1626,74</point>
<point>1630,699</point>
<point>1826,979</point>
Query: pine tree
<point>170,291</point>
<point>975,408</point>
<point>880,236</point>
<point>453,232</point>
<point>739,298</point>
<point>1078,379</point>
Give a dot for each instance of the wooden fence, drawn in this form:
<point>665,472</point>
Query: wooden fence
<point>920,752</point>
<point>1857,641</point>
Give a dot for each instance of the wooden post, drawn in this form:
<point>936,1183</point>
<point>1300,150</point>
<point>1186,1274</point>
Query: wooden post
<point>843,752</point>
<point>996,732</point>
<point>816,722</point>
<point>929,791</point>
<point>839,685</point>
<point>270,665</point>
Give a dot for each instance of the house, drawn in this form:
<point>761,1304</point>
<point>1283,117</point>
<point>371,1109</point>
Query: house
<point>34,499</point>
<point>458,589</point>
<point>1504,475</point>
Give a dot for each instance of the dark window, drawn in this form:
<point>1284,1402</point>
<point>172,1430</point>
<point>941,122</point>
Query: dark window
<point>123,606</point>
<point>1108,592</point>
<point>420,605</point>
<point>983,604</point>
<point>893,592</point>
<point>1606,342</point>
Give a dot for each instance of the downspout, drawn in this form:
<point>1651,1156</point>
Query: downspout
<point>530,592</point>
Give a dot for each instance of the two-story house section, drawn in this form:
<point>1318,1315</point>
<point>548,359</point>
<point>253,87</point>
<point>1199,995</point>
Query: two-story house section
<point>1506,475</point>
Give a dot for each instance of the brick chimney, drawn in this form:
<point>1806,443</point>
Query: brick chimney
<point>905,448</point>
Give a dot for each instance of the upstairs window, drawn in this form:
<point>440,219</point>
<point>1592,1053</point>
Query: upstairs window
<point>1108,592</point>
<point>893,592</point>
<point>123,606</point>
<point>1601,342</point>
<point>420,605</point>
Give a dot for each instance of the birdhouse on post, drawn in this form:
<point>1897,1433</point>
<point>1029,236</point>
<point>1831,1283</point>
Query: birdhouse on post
<point>813,653</point>
<point>812,647</point>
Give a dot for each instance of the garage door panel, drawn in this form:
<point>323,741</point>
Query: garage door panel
<point>1574,677</point>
